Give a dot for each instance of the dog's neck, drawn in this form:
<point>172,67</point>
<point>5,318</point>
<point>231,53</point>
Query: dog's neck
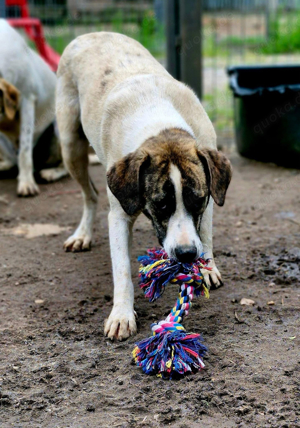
<point>149,121</point>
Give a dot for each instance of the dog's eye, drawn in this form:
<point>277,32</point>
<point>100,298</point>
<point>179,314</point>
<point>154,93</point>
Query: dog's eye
<point>166,206</point>
<point>162,205</point>
<point>192,201</point>
<point>198,204</point>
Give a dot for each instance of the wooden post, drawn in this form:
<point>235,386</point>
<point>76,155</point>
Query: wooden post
<point>184,41</point>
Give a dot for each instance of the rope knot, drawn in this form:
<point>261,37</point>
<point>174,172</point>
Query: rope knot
<point>166,326</point>
<point>171,351</point>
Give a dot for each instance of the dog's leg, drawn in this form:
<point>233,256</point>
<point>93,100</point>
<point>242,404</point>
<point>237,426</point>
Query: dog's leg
<point>93,159</point>
<point>27,185</point>
<point>212,277</point>
<point>121,322</point>
<point>7,153</point>
<point>75,154</point>
<point>54,174</point>
<point>6,165</point>
<point>74,146</point>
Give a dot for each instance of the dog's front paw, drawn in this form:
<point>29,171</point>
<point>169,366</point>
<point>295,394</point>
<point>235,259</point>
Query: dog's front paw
<point>53,174</point>
<point>27,188</point>
<point>78,242</point>
<point>120,324</point>
<point>212,277</point>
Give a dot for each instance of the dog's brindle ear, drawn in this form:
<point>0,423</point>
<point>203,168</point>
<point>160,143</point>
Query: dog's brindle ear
<point>126,183</point>
<point>219,173</point>
<point>11,98</point>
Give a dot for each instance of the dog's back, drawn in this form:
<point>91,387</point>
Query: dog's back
<point>102,76</point>
<point>106,59</point>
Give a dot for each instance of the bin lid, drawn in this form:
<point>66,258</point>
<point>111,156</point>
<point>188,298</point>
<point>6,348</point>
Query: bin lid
<point>259,79</point>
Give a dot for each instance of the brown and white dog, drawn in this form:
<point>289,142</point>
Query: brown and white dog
<point>159,149</point>
<point>27,110</point>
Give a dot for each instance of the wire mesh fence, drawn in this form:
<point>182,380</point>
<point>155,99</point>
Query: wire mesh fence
<point>233,32</point>
<point>239,33</point>
<point>63,20</point>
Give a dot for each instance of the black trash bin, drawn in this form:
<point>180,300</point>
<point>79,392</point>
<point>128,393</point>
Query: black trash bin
<point>267,112</point>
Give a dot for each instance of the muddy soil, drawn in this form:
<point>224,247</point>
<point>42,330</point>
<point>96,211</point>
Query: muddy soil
<point>58,370</point>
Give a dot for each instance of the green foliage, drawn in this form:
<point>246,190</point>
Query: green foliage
<point>218,106</point>
<point>284,35</point>
<point>146,30</point>
<point>151,35</point>
<point>117,22</point>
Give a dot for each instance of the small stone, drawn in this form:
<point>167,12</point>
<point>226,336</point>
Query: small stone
<point>271,302</point>
<point>247,302</point>
<point>39,301</point>
<point>272,284</point>
<point>90,408</point>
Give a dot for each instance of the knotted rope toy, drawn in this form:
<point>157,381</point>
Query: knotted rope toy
<point>171,352</point>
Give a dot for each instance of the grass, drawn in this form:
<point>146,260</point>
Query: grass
<point>284,38</point>
<point>219,109</point>
<point>148,32</point>
<point>285,35</point>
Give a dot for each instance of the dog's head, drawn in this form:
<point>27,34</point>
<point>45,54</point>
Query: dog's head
<point>171,181</point>
<point>9,100</point>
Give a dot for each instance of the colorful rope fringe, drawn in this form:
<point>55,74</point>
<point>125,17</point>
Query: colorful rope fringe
<point>171,352</point>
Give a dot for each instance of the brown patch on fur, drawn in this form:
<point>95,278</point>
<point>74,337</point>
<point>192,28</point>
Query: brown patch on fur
<point>220,173</point>
<point>142,178</point>
<point>108,71</point>
<point>178,147</point>
<point>11,99</point>
<point>123,179</point>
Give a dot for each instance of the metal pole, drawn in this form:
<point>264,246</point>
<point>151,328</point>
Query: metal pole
<point>2,9</point>
<point>184,41</point>
<point>173,37</point>
<point>191,43</point>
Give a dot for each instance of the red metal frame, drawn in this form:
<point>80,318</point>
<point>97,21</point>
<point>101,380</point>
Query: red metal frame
<point>34,30</point>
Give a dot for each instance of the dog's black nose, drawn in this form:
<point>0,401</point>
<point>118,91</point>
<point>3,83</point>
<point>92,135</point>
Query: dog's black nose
<point>186,253</point>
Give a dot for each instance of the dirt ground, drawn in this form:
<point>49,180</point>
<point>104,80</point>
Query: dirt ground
<point>58,370</point>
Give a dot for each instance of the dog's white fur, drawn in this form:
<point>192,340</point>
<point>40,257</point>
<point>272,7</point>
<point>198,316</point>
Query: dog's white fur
<point>23,68</point>
<point>181,227</point>
<point>120,103</point>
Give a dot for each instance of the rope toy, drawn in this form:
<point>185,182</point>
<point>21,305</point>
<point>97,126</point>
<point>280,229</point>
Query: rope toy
<point>171,352</point>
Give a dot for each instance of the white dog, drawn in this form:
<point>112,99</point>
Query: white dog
<point>27,108</point>
<point>159,149</point>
